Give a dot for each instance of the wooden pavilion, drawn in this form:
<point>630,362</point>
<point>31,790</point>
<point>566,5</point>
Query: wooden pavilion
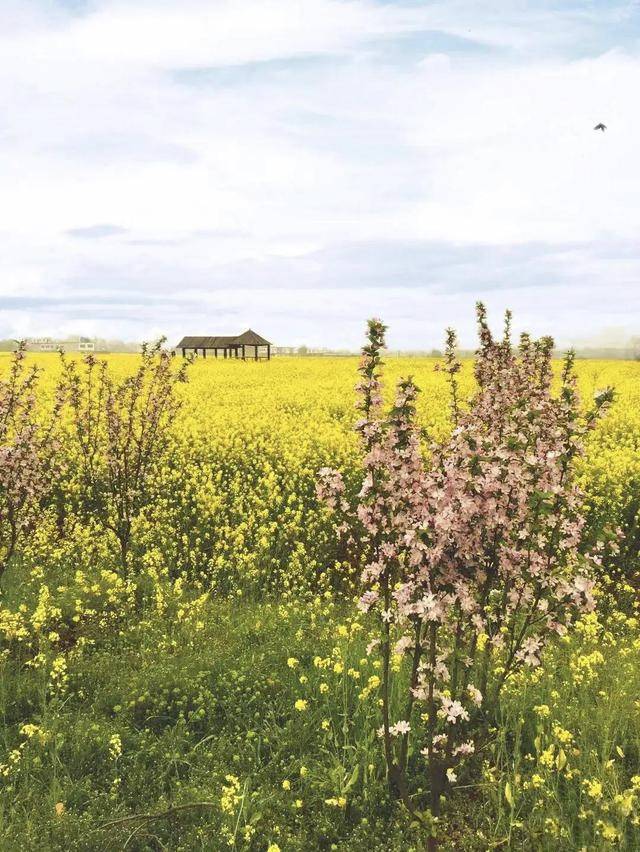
<point>248,346</point>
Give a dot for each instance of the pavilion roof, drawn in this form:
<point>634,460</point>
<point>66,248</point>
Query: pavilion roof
<point>219,341</point>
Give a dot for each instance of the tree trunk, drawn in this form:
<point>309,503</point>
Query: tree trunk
<point>124,556</point>
<point>436,789</point>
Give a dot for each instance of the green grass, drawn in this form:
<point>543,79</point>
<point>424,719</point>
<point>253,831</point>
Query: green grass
<point>165,710</point>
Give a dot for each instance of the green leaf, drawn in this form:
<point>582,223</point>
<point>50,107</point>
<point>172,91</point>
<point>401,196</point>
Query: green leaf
<point>508,794</point>
<point>354,777</point>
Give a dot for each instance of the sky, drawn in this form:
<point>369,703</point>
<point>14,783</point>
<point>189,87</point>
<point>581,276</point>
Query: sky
<point>296,166</point>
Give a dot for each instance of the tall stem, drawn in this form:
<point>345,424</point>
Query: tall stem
<point>388,745</point>
<point>417,654</point>
<point>434,765</point>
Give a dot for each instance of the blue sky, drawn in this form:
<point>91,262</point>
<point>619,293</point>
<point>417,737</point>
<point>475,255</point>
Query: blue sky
<point>299,165</point>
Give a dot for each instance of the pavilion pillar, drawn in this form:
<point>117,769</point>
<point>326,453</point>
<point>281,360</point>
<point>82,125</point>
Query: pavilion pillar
<point>243,358</point>
<point>184,352</point>
<point>268,351</point>
<point>204,352</point>
<point>255,349</point>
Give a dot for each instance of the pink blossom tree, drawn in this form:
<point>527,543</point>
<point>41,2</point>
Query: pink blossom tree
<point>473,558</point>
<point>28,453</point>
<point>121,431</point>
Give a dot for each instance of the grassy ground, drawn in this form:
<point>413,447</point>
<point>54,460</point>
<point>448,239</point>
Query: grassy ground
<point>166,710</point>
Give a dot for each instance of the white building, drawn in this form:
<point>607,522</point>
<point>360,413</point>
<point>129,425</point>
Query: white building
<point>52,344</point>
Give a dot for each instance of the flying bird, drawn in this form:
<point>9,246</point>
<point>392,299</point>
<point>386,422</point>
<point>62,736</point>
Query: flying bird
<point>600,126</point>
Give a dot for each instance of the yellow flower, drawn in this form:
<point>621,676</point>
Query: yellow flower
<point>337,802</point>
<point>561,734</point>
<point>292,662</point>
<point>30,731</point>
<point>301,705</point>
<point>115,747</point>
<point>324,687</point>
<point>547,756</point>
<point>593,789</point>
<point>608,831</point>
<point>624,803</point>
<point>230,794</point>
<point>286,784</point>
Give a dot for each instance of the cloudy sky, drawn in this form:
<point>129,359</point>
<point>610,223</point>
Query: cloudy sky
<point>200,166</point>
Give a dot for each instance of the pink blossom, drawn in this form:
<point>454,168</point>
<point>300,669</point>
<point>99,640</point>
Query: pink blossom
<point>474,694</point>
<point>452,710</point>
<point>367,600</point>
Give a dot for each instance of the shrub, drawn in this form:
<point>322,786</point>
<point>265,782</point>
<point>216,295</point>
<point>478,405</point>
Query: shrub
<point>28,454</point>
<point>474,559</point>
<point>121,432</point>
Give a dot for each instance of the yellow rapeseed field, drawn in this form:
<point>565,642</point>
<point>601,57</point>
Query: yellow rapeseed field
<point>251,437</point>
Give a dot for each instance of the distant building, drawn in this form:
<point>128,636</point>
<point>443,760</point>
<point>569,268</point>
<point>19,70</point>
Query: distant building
<point>248,345</point>
<point>43,344</point>
<point>85,344</point>
<point>52,344</point>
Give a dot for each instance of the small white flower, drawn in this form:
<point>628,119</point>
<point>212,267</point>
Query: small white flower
<point>474,694</point>
<point>401,727</point>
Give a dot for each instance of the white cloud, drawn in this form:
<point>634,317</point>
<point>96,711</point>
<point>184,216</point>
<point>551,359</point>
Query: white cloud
<point>217,137</point>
